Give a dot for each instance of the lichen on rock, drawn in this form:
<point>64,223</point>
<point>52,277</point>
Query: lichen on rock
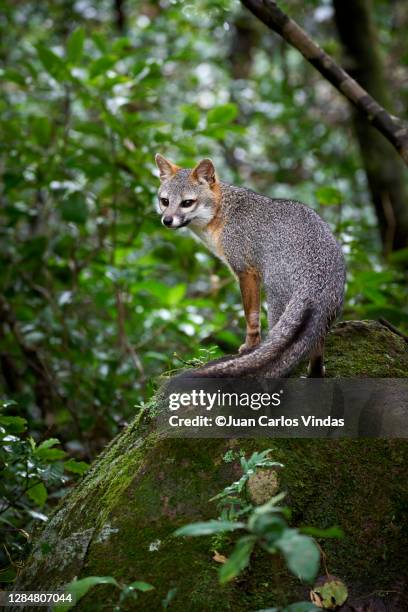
<point>262,485</point>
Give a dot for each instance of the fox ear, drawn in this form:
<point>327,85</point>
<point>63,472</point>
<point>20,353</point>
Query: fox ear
<point>166,168</point>
<point>204,172</point>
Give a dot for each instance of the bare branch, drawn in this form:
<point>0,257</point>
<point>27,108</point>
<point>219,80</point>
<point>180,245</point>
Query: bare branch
<point>393,128</point>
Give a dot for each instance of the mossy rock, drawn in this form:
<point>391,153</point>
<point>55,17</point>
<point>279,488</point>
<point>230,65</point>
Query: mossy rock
<point>120,519</point>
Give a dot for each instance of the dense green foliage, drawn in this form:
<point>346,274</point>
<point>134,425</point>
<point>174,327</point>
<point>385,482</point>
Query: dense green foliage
<point>28,472</point>
<point>96,297</point>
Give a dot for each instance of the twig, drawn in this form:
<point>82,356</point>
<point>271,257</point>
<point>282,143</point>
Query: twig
<point>324,559</point>
<point>124,341</point>
<point>392,328</point>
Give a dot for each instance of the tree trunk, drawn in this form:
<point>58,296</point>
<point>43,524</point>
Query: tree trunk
<point>120,519</point>
<point>120,15</point>
<point>245,37</point>
<point>383,166</point>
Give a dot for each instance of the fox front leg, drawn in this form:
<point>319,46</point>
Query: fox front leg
<point>249,284</point>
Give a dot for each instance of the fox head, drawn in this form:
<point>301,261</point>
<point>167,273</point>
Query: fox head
<point>187,196</point>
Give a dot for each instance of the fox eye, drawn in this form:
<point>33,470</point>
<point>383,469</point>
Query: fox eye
<point>164,201</point>
<point>187,203</point>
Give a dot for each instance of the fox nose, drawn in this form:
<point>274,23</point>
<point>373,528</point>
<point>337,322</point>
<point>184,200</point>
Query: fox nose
<point>167,221</point>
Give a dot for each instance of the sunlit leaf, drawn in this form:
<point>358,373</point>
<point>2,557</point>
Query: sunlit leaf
<point>38,494</point>
<point>76,467</point>
<point>208,528</point>
<point>75,45</point>
<point>140,586</point>
<point>329,196</point>
<point>222,114</point>
<point>52,63</point>
<point>13,424</point>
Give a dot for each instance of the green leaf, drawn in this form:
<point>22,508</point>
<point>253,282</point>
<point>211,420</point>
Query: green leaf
<point>330,532</point>
<point>400,256</point>
<point>329,196</point>
<point>175,294</point>
<point>51,454</point>
<point>74,208</point>
<point>140,586</point>
<point>6,403</point>
<point>79,588</point>
<point>238,560</point>
<point>75,46</point>
<point>169,597</point>
<point>34,248</point>
<point>52,63</point>
<point>159,290</point>
<point>41,128</point>
<point>268,525</point>
<point>10,74</point>
<point>191,117</point>
<point>45,451</point>
<point>208,528</point>
<point>76,467</point>
<point>228,337</point>
<point>48,443</point>
<point>331,594</point>
<point>300,606</point>
<point>222,115</point>
<point>8,574</point>
<point>301,554</point>
<point>38,494</point>
<point>13,424</point>
<point>102,65</point>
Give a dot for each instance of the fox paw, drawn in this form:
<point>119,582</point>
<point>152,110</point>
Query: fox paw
<point>249,345</point>
<point>316,372</point>
<point>243,349</point>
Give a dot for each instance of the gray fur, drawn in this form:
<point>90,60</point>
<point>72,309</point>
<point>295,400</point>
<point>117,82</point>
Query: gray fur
<point>293,250</point>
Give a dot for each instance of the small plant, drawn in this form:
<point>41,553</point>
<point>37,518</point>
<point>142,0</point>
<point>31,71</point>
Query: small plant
<point>204,355</point>
<point>234,501</point>
<point>265,526</point>
<point>230,456</point>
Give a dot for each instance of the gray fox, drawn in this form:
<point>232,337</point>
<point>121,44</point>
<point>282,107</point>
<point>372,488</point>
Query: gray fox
<point>279,243</point>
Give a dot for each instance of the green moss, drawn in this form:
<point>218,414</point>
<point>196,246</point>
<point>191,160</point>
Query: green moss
<point>328,483</point>
<point>365,349</point>
<point>119,521</point>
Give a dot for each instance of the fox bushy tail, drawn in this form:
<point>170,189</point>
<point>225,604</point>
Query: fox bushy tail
<point>300,328</point>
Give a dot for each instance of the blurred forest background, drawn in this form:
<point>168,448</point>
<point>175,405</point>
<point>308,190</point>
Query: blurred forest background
<point>96,297</point>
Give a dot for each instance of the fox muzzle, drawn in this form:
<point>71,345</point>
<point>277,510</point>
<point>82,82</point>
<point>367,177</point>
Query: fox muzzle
<point>174,222</point>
